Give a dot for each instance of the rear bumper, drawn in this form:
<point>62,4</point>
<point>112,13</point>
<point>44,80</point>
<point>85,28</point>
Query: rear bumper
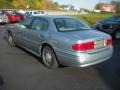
<point>85,59</point>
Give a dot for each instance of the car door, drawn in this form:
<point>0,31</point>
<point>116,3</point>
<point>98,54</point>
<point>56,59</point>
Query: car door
<point>35,35</point>
<point>20,37</point>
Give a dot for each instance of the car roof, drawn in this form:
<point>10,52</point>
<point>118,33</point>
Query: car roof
<point>52,16</point>
<point>116,16</point>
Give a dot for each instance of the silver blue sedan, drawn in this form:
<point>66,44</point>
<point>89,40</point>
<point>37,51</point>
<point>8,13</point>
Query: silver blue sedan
<point>61,40</point>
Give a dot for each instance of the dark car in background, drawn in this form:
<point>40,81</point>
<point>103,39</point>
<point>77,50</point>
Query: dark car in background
<point>110,25</point>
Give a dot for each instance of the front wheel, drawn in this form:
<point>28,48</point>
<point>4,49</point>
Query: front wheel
<point>49,58</point>
<point>11,40</point>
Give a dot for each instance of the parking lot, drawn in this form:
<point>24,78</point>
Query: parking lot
<point>20,70</point>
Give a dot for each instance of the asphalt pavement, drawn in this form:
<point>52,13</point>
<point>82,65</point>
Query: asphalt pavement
<point>21,70</point>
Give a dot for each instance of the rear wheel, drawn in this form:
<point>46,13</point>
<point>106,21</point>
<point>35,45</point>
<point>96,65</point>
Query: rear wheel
<point>117,35</point>
<point>49,58</point>
<point>11,40</point>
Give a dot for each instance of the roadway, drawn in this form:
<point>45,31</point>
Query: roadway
<point>21,70</point>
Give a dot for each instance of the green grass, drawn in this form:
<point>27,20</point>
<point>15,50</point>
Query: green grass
<point>92,18</point>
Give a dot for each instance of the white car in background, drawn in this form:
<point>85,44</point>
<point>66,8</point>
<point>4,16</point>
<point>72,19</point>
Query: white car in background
<point>3,18</point>
<point>35,13</point>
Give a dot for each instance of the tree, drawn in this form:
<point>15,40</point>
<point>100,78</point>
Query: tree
<point>117,3</point>
<point>97,6</point>
<point>5,4</point>
<point>64,6</point>
<point>33,4</point>
<point>72,8</point>
<point>55,6</point>
<point>19,3</point>
<point>39,4</point>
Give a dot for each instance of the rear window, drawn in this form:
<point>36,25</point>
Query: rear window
<point>69,24</point>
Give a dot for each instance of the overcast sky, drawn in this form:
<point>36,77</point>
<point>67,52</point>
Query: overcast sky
<point>89,4</point>
<point>116,0</point>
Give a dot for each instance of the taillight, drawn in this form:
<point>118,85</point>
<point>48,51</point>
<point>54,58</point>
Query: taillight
<point>83,46</point>
<point>109,41</point>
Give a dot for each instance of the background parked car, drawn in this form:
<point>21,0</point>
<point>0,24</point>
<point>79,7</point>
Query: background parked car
<point>3,18</point>
<point>21,15</point>
<point>12,17</point>
<point>110,25</point>
<point>35,13</point>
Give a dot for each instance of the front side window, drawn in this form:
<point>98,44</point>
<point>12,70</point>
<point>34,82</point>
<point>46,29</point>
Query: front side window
<point>27,22</point>
<point>69,24</point>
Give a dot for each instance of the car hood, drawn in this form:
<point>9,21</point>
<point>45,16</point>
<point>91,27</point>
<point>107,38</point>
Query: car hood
<point>105,22</point>
<point>86,35</point>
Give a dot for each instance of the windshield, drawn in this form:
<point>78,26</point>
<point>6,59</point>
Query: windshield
<point>69,24</point>
<point>112,19</point>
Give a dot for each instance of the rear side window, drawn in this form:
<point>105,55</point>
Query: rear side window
<point>39,24</point>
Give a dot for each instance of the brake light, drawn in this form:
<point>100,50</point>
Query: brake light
<point>109,41</point>
<point>83,46</point>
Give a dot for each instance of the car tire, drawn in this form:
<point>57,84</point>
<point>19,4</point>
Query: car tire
<point>49,58</point>
<point>117,35</point>
<point>11,40</point>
